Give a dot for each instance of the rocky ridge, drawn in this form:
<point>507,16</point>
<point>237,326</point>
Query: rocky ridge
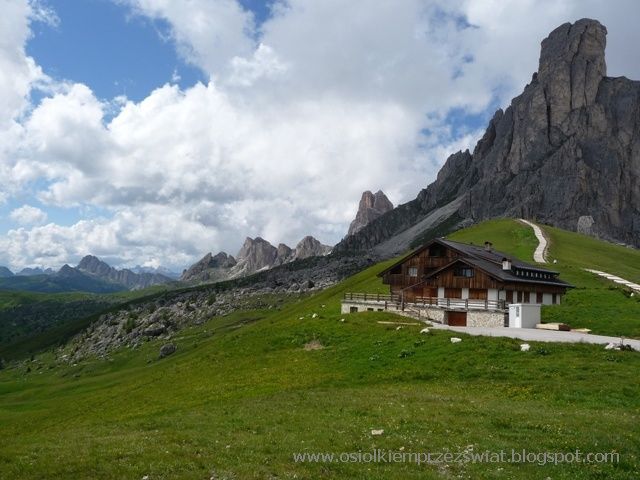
<point>166,314</point>
<point>371,206</point>
<point>566,152</point>
<point>133,281</point>
<point>255,255</point>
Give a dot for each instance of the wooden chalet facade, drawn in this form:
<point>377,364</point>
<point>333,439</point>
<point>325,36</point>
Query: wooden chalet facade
<point>443,271</point>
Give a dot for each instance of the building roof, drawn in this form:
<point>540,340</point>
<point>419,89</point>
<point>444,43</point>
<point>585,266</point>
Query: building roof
<point>489,261</point>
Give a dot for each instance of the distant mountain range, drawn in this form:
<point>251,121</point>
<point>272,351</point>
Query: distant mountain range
<point>256,254</point>
<point>91,275</point>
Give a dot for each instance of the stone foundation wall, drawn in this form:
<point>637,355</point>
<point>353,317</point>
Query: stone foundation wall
<point>475,318</point>
<point>479,318</point>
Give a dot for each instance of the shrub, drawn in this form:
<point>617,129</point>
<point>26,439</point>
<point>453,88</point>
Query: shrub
<point>129,324</point>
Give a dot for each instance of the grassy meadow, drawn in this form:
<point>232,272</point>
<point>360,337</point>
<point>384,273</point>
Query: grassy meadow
<point>245,392</point>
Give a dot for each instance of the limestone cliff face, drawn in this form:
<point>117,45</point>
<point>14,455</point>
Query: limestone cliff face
<point>310,247</point>
<point>565,152</point>
<point>210,267</point>
<point>371,207</point>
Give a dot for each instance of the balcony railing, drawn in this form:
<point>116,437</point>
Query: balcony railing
<point>372,297</point>
<point>450,303</point>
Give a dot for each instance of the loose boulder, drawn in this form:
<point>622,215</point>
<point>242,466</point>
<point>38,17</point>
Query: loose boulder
<point>167,349</point>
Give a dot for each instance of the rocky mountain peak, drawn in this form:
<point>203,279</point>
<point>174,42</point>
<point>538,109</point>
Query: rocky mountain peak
<point>371,206</point>
<point>5,272</point>
<point>94,265</point>
<point>311,247</point>
<point>572,65</point>
<point>566,152</point>
<point>201,270</point>
<point>256,254</point>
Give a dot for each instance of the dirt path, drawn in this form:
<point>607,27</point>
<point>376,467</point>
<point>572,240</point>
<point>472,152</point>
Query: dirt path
<point>539,254</point>
<point>616,279</point>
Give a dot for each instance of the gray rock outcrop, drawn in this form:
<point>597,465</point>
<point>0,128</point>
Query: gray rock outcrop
<point>167,349</point>
<point>310,247</point>
<point>210,267</point>
<point>567,147</point>
<point>371,206</point>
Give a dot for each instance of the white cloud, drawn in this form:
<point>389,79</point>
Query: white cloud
<point>28,215</point>
<point>322,101</point>
<point>207,33</point>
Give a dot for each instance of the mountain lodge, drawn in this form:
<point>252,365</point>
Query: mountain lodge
<point>462,285</point>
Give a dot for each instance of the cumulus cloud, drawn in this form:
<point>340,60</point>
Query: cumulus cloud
<point>299,115</point>
<point>28,215</point>
<point>207,33</point>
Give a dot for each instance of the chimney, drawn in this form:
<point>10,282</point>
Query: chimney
<point>506,264</point>
<point>488,246</point>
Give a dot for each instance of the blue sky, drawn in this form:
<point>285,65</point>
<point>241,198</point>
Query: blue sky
<point>101,44</point>
<point>237,122</point>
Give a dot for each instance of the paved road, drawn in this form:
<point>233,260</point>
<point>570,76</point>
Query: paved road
<point>613,278</point>
<point>538,255</point>
<point>536,335</point>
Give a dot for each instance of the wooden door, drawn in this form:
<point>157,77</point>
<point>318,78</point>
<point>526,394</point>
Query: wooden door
<point>457,319</point>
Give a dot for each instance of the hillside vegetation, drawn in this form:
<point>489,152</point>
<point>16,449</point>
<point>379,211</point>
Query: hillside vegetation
<point>244,392</point>
<point>31,321</point>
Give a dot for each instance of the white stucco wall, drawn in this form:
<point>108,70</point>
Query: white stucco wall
<point>465,293</point>
<point>492,294</point>
<point>524,315</point>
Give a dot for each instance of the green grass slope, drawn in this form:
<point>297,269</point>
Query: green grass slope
<point>242,395</point>
<point>595,303</point>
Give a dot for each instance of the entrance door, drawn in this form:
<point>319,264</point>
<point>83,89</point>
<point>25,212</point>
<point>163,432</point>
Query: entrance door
<point>457,319</point>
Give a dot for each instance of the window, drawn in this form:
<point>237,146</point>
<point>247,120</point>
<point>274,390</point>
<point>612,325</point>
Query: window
<point>437,250</point>
<point>463,271</point>
<point>413,271</point>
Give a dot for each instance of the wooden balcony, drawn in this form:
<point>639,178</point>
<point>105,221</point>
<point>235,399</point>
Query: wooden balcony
<point>395,302</point>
